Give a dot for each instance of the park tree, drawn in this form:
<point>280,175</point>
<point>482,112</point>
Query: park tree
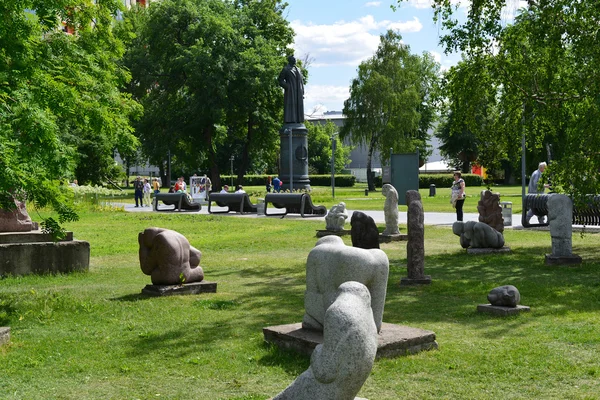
<point>319,155</point>
<point>61,110</point>
<point>544,64</point>
<point>391,102</point>
<point>205,72</point>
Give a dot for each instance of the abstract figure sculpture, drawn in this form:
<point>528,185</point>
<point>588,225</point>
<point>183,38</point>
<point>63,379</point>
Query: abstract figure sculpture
<point>364,232</point>
<point>168,257</point>
<point>490,211</point>
<point>331,263</point>
<point>336,218</point>
<point>504,296</point>
<point>340,366</point>
<point>390,209</point>
<point>16,219</point>
<point>477,235</point>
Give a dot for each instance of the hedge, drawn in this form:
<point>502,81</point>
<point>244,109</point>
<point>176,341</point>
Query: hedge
<point>440,180</point>
<point>342,180</point>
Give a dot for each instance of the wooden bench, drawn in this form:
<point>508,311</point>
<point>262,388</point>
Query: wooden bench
<point>236,202</point>
<point>293,203</point>
<point>179,201</point>
<point>587,215</point>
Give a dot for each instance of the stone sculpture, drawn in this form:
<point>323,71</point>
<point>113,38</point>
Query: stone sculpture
<point>477,235</point>
<point>415,245</point>
<point>390,210</point>
<point>504,296</point>
<point>336,217</point>
<point>291,80</point>
<point>560,217</point>
<point>331,263</point>
<point>16,219</point>
<point>364,232</point>
<point>168,257</point>
<point>490,211</point>
<point>340,366</point>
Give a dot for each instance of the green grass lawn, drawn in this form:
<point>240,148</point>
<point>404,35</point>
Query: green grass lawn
<point>94,336</point>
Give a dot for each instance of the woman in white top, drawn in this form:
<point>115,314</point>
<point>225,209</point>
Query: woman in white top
<point>458,195</point>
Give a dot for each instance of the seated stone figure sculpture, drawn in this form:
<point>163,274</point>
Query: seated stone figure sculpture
<point>168,257</point>
<point>506,296</point>
<point>336,218</point>
<point>477,235</point>
<point>331,263</point>
<point>340,366</point>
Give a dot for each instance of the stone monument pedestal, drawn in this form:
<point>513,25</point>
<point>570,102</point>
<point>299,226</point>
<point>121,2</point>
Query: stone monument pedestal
<point>398,237</point>
<point>393,340</point>
<point>184,289</point>
<point>488,250</point>
<point>572,259</point>
<point>501,311</point>
<point>4,335</point>
<point>34,252</point>
<point>406,281</point>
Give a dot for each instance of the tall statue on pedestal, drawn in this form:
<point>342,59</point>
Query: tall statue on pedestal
<point>293,167</point>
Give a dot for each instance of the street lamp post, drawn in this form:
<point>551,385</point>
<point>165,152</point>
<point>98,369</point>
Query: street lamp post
<point>333,146</point>
<point>231,159</point>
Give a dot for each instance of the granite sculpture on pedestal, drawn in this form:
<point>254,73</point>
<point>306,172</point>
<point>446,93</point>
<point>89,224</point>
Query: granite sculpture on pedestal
<point>331,263</point>
<point>415,246</point>
<point>340,366</point>
<point>490,211</point>
<point>477,235</point>
<point>364,232</point>
<point>504,300</point>
<point>390,210</point>
<point>168,257</point>
<point>16,219</point>
<point>336,218</point>
<point>560,217</point>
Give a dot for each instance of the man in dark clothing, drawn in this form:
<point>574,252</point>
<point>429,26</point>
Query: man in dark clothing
<point>138,186</point>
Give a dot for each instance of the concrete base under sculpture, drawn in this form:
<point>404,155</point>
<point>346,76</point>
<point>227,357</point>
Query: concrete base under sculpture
<point>185,289</point>
<point>24,253</point>
<point>501,310</point>
<point>406,281</point>
<point>393,340</point>
<point>325,232</point>
<point>488,250</point>
<point>398,237</point>
<point>4,335</point>
<point>572,259</point>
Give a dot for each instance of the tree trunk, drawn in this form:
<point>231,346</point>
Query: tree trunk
<point>214,173</point>
<point>370,183</point>
<point>243,165</point>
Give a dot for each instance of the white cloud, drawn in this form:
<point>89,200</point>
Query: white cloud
<point>324,97</point>
<point>345,43</point>
<point>436,56</point>
<point>373,4</point>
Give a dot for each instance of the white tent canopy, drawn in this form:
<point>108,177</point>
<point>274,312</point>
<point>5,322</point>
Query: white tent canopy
<point>436,166</point>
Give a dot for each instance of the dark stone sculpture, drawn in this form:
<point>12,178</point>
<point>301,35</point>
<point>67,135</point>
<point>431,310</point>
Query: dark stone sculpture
<point>16,219</point>
<point>290,78</point>
<point>168,257</point>
<point>415,245</point>
<point>490,211</point>
<point>364,232</point>
<point>477,235</point>
<point>504,296</point>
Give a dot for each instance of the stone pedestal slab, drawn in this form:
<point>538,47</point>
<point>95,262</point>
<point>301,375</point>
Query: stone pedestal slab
<point>488,250</point>
<point>501,310</point>
<point>393,340</point>
<point>406,281</point>
<point>4,335</point>
<point>324,232</point>
<point>572,259</point>
<point>185,289</point>
<point>30,237</point>
<point>392,238</point>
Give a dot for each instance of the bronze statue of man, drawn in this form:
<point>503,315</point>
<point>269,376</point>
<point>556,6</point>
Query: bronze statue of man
<point>291,80</point>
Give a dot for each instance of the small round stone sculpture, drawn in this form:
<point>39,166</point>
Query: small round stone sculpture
<point>504,296</point>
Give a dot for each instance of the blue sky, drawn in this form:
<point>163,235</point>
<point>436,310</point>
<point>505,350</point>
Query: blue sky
<point>339,34</point>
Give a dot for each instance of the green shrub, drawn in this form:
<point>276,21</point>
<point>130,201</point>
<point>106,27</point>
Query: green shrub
<point>315,180</point>
<point>439,180</point>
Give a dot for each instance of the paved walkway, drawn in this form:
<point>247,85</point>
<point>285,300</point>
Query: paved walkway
<point>431,218</point>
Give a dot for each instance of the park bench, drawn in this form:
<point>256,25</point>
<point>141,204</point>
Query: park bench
<point>235,202</point>
<point>294,203</point>
<point>180,201</point>
<point>587,215</point>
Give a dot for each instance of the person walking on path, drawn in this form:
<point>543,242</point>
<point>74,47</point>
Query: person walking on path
<point>533,188</point>
<point>138,187</point>
<point>458,195</point>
